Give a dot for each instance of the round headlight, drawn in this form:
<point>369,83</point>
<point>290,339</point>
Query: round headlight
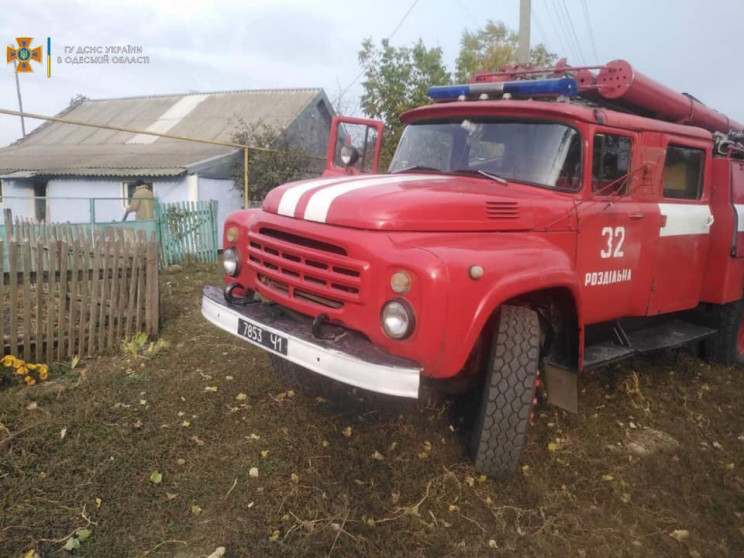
<point>231,261</point>
<point>397,319</point>
<point>400,282</point>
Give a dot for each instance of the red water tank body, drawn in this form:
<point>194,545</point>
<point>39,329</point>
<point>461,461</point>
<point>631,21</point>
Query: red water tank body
<point>618,82</point>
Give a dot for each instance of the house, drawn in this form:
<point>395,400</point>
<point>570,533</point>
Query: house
<point>67,163</point>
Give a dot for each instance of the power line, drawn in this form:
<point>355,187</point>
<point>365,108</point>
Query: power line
<point>413,5</point>
<point>467,12</point>
<point>566,30</point>
<point>572,29</point>
<point>560,29</point>
<point>540,27</point>
<point>402,20</point>
<point>591,32</point>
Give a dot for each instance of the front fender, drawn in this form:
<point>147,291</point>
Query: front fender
<point>514,264</point>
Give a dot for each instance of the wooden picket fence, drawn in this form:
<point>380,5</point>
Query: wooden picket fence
<point>188,231</point>
<point>70,291</point>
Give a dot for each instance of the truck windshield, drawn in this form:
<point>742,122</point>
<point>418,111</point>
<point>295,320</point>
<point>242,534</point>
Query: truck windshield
<point>546,154</point>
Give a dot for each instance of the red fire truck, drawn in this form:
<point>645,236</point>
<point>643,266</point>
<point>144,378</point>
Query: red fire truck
<point>532,224</point>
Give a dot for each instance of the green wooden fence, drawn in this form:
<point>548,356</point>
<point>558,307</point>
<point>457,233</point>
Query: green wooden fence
<point>187,232</point>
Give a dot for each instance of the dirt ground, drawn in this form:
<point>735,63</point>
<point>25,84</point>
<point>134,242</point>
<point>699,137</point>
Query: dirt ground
<point>653,464</point>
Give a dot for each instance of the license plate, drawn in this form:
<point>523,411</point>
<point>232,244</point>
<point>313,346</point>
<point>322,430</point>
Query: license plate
<point>259,335</point>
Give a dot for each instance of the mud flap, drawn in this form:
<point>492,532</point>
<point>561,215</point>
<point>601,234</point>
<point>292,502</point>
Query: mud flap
<point>562,387</point>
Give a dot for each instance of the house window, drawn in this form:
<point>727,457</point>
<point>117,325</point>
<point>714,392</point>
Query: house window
<point>611,159</point>
<point>127,191</point>
<point>683,172</point>
<point>40,201</point>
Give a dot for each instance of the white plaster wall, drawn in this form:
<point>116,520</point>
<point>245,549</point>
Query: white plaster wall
<point>77,209</point>
<point>19,207</point>
<point>228,198</point>
<point>169,190</point>
<point>106,210</point>
<point>79,190</point>
<point>192,182</point>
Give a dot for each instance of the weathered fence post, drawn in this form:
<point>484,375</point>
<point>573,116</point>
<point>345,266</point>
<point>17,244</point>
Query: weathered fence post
<point>67,291</point>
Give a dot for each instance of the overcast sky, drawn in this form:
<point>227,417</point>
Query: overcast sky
<point>205,45</point>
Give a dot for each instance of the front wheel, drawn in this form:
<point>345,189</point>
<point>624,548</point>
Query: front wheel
<point>500,429</point>
<point>727,345</point>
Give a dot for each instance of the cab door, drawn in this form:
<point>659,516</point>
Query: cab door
<point>613,225</point>
<point>684,231</point>
<point>354,146</point>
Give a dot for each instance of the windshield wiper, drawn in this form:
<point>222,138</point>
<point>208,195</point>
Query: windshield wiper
<point>415,168</point>
<point>481,172</point>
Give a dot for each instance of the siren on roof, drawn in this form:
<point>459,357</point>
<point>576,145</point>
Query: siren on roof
<point>496,89</point>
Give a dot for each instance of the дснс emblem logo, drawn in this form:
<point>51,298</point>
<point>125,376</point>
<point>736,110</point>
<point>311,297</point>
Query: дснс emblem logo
<point>24,54</point>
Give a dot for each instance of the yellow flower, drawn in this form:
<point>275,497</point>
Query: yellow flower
<point>29,380</point>
<point>12,362</point>
<point>31,366</point>
<point>43,373</point>
<point>22,371</point>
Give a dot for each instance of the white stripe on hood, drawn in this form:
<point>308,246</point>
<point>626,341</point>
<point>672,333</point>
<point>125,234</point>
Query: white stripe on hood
<point>291,197</point>
<point>320,202</point>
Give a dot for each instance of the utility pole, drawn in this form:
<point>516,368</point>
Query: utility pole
<point>20,102</point>
<point>523,51</point>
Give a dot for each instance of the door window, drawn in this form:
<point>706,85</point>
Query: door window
<point>611,160</point>
<point>683,172</point>
<point>361,136</point>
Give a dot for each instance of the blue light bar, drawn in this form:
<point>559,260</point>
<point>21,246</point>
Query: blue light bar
<point>448,92</point>
<point>494,89</point>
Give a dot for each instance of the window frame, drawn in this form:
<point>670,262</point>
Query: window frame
<point>518,120</point>
<point>126,199</point>
<point>628,189</point>
<point>701,175</point>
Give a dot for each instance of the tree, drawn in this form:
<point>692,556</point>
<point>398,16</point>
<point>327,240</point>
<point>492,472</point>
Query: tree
<point>492,47</point>
<point>266,170</point>
<point>396,79</point>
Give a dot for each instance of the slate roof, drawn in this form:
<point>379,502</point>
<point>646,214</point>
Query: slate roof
<point>61,149</point>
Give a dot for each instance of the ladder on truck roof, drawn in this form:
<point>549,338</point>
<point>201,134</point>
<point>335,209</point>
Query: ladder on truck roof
<point>618,86</point>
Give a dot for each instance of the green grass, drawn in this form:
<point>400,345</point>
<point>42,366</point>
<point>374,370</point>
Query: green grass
<point>584,498</point>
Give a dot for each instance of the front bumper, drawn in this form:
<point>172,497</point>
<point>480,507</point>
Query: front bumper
<point>350,358</point>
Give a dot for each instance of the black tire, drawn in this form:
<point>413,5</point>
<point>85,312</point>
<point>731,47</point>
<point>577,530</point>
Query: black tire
<point>724,346</point>
<point>500,428</point>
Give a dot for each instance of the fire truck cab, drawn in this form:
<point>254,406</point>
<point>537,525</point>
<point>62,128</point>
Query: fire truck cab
<point>526,230</point>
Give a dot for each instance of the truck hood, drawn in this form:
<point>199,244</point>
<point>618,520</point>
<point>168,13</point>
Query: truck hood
<point>421,202</point>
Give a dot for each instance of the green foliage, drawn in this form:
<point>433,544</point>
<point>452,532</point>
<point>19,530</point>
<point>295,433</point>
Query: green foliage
<point>79,536</point>
<point>492,47</point>
<point>138,345</point>
<point>135,344</point>
<point>396,80</point>
<point>266,170</point>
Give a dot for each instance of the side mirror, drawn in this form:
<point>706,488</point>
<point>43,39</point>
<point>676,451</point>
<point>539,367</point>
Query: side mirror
<point>349,155</point>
